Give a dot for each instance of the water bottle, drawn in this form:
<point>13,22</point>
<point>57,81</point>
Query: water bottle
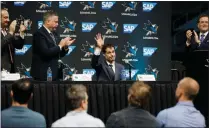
<point>49,74</point>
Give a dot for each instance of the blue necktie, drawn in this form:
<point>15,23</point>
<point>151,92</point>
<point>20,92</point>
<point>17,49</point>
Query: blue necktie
<point>202,38</point>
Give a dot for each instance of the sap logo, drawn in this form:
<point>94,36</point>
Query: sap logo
<point>71,48</point>
<point>148,51</point>
<point>133,73</point>
<point>89,71</point>
<point>88,26</point>
<point>19,3</point>
<point>129,28</point>
<point>40,23</point>
<point>107,5</point>
<point>148,6</point>
<point>23,50</point>
<point>64,4</point>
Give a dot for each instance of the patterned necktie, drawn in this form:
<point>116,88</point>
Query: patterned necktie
<point>202,38</point>
<point>53,38</point>
<point>112,72</point>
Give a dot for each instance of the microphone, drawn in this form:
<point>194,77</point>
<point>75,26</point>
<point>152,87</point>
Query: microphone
<point>127,62</point>
<point>61,62</point>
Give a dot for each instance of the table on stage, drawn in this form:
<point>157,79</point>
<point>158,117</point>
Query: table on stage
<point>104,97</point>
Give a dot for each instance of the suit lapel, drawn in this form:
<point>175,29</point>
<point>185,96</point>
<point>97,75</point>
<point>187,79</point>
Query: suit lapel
<point>206,39</point>
<point>105,68</point>
<point>48,35</point>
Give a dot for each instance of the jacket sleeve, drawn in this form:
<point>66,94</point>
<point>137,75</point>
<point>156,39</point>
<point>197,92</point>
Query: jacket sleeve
<point>41,43</point>
<point>8,39</point>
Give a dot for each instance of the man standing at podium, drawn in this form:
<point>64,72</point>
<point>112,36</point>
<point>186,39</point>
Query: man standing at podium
<point>198,40</point>
<point>106,67</point>
<point>47,48</point>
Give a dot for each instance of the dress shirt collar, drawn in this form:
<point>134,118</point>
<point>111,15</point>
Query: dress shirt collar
<point>185,103</point>
<point>205,34</point>
<point>108,63</point>
<point>72,113</point>
<point>47,29</point>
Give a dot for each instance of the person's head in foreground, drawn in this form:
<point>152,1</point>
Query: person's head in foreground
<point>139,94</point>
<point>187,89</point>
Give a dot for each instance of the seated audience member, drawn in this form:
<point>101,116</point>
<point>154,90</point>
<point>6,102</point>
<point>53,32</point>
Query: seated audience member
<point>198,40</point>
<point>18,115</point>
<point>78,105</point>
<point>184,114</point>
<point>134,116</point>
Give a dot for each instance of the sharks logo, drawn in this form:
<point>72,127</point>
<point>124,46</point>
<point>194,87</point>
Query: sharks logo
<point>88,49</point>
<point>151,29</point>
<point>130,50</point>
<point>45,4</point>
<point>26,22</point>
<point>68,72</point>
<point>88,5</point>
<point>152,71</point>
<point>110,26</point>
<point>24,72</point>
<point>68,26</point>
<point>129,6</point>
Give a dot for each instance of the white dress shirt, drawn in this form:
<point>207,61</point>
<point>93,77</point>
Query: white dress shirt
<point>49,33</point>
<point>97,52</point>
<point>78,119</point>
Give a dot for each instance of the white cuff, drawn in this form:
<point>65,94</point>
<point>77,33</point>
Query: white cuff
<point>22,36</point>
<point>60,47</point>
<point>187,43</point>
<point>97,51</point>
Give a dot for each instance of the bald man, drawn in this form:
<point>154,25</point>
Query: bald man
<point>183,114</point>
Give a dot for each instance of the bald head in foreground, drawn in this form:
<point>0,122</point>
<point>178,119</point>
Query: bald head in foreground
<point>183,114</point>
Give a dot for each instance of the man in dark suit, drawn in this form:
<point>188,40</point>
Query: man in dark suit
<point>47,49</point>
<point>106,67</point>
<point>198,40</point>
<point>9,41</point>
<point>134,116</point>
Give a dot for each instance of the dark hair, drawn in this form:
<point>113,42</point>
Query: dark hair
<point>106,46</point>
<point>49,14</point>
<point>75,95</point>
<point>22,90</point>
<point>200,16</point>
<point>139,94</point>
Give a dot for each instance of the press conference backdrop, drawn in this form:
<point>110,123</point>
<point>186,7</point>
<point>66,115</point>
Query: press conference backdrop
<point>140,32</point>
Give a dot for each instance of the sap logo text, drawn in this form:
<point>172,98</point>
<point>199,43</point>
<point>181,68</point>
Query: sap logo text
<point>71,48</point>
<point>64,4</point>
<point>148,6</point>
<point>89,71</point>
<point>129,28</point>
<point>19,3</point>
<point>148,51</point>
<point>107,5</point>
<point>88,26</point>
<point>40,23</point>
<point>23,50</point>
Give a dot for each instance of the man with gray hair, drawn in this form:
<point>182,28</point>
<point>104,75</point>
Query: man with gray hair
<point>78,106</point>
<point>184,114</point>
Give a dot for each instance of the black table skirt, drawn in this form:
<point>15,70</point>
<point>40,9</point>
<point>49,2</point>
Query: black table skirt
<point>104,98</point>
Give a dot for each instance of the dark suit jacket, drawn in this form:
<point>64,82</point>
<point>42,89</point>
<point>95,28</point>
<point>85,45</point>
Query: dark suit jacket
<point>45,53</point>
<point>132,117</point>
<point>194,46</point>
<point>12,42</point>
<point>103,70</point>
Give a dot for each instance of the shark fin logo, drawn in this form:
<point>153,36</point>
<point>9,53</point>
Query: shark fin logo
<point>68,26</point>
<point>152,71</point>
<point>130,50</point>
<point>25,72</point>
<point>129,6</point>
<point>150,28</point>
<point>45,4</point>
<point>110,26</point>
<point>88,49</point>
<point>88,5</point>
